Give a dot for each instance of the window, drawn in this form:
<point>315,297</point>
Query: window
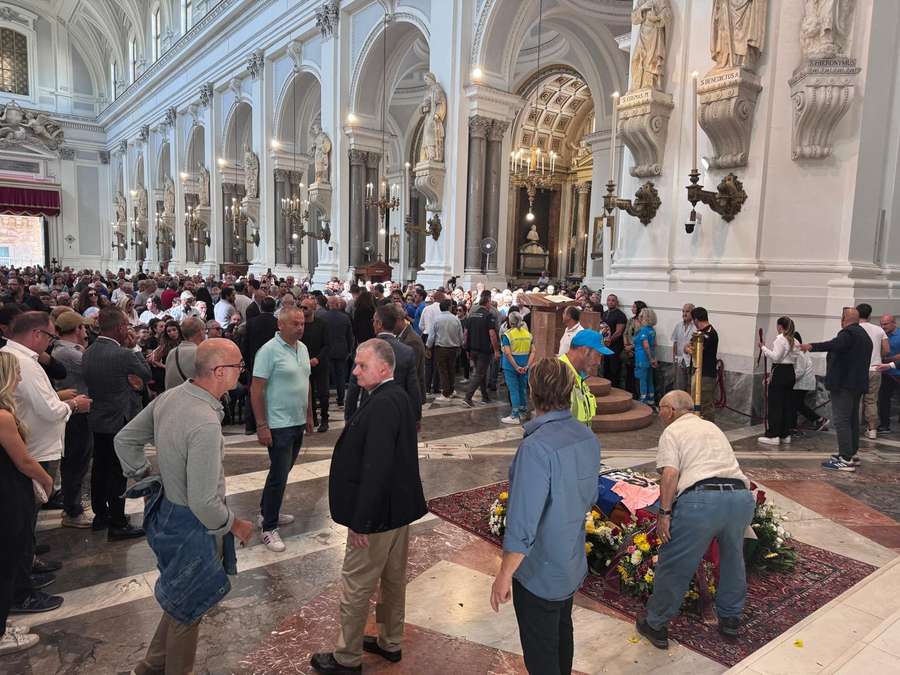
<point>13,62</point>
<point>132,59</point>
<point>157,35</point>
<point>112,80</point>
<point>187,15</point>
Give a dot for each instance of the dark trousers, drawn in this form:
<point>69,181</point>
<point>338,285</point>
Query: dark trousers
<point>889,387</point>
<point>545,631</point>
<point>17,551</point>
<point>318,378</point>
<point>781,400</point>
<point>337,370</point>
<point>445,360</point>
<point>845,420</point>
<point>74,465</point>
<point>801,408</point>
<point>464,362</point>
<point>107,482</point>
<point>612,369</point>
<point>479,378</point>
<point>282,455</point>
<point>432,378</point>
<point>632,386</point>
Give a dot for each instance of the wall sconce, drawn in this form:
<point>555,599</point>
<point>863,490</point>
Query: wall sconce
<point>644,206</point>
<point>726,201</point>
<point>70,239</point>
<point>433,228</point>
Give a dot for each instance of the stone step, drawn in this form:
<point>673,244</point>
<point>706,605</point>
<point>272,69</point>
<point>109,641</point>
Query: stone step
<point>600,386</point>
<point>616,401</point>
<point>637,417</point>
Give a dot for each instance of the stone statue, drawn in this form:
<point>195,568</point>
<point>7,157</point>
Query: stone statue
<point>204,186</point>
<point>17,124</point>
<point>533,235</point>
<point>738,32</point>
<point>434,107</point>
<point>121,210</point>
<point>169,200</point>
<point>826,26</point>
<point>322,146</point>
<point>143,212</point>
<point>251,173</point>
<point>649,57</point>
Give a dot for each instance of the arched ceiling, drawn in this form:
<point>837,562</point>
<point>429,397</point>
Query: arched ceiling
<point>556,106</point>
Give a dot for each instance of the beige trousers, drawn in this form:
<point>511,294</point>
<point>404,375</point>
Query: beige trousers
<point>172,650</point>
<point>384,562</point>
<point>870,400</point>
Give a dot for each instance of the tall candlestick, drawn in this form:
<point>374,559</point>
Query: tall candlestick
<point>695,158</point>
<point>612,140</point>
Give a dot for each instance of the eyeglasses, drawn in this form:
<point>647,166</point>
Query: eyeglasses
<point>50,335</point>
<point>239,366</point>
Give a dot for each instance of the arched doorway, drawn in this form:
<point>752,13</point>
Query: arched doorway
<point>237,249</point>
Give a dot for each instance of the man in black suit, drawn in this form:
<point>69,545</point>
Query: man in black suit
<point>315,337</point>
<point>340,337</point>
<point>385,322</point>
<point>374,490</point>
<point>258,331</point>
<point>114,376</point>
<point>846,379</point>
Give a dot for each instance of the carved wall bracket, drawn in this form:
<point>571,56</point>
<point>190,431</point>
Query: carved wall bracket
<point>319,195</point>
<point>644,124</point>
<point>430,182</point>
<point>726,201</point>
<point>727,105</point>
<point>822,91</point>
<point>644,206</point>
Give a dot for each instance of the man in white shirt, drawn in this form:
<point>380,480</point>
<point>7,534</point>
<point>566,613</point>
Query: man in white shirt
<point>681,338</point>
<point>880,349</point>
<point>185,309</point>
<point>241,300</point>
<point>426,325</point>
<point>572,322</point>
<point>224,309</point>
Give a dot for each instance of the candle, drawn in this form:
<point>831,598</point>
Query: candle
<point>612,140</point>
<point>695,158</point>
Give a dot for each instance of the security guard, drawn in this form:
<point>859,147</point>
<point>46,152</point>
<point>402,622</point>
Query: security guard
<point>583,358</point>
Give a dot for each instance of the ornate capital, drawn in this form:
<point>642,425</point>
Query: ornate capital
<point>67,153</point>
<point>822,91</point>
<point>373,159</point>
<point>727,105</point>
<point>357,156</point>
<point>644,125</point>
<point>281,175</point>
<point>123,146</point>
<point>206,94</point>
<point>144,133</point>
<point>255,63</point>
<point>171,116</point>
<point>479,126</point>
<point>104,156</point>
<point>497,130</point>
<point>327,18</point>
<point>583,188</point>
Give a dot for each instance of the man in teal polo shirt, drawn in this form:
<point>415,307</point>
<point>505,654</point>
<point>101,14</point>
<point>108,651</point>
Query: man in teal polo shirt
<point>280,398</point>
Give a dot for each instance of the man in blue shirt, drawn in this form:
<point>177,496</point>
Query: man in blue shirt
<point>889,379</point>
<point>552,484</point>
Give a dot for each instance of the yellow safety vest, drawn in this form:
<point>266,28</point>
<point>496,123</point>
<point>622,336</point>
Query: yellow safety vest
<point>519,341</point>
<point>584,404</point>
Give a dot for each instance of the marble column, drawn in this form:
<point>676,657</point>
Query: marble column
<point>372,224</point>
<point>581,227</point>
<point>494,168</point>
<point>282,236</point>
<point>357,205</point>
<point>478,130</point>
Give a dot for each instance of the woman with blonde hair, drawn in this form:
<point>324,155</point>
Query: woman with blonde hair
<point>17,504</point>
<point>126,304</point>
<point>645,362</point>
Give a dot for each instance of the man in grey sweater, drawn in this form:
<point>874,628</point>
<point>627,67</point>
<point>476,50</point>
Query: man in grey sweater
<point>184,424</point>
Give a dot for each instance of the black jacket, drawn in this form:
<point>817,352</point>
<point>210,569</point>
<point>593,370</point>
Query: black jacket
<point>259,330</point>
<point>315,337</point>
<point>106,367</point>
<point>849,356</point>
<point>404,374</point>
<point>374,483</point>
<point>340,333</point>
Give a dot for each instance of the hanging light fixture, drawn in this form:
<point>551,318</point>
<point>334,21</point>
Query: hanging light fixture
<point>532,168</point>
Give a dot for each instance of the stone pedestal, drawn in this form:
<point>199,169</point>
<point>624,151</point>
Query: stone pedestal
<point>821,91</point>
<point>250,207</point>
<point>727,105</point>
<point>319,195</point>
<point>644,125</point>
<point>430,182</point>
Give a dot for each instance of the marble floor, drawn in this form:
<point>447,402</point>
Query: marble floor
<point>284,606</point>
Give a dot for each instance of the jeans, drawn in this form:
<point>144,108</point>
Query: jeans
<point>845,420</point>
<point>644,376</point>
<point>75,462</point>
<point>479,378</point>
<point>337,370</point>
<point>282,455</point>
<point>545,631</point>
<point>518,390</point>
<point>781,401</point>
<point>699,516</point>
<point>107,482</point>
<point>885,395</point>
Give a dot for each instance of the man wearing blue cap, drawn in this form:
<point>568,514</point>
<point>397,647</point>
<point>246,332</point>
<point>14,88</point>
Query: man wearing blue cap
<point>584,357</point>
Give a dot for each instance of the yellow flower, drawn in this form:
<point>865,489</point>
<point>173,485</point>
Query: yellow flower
<point>589,526</point>
<point>648,577</point>
<point>504,496</point>
<point>771,555</point>
<point>641,541</point>
<point>588,547</point>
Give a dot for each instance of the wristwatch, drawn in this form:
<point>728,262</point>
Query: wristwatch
<point>665,512</point>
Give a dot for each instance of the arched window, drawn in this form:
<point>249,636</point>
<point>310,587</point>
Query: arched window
<point>187,15</point>
<point>132,59</point>
<point>157,35</point>
<point>112,81</point>
<point>13,62</point>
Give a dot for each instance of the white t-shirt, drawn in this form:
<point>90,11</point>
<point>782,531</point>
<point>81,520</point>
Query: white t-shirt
<point>876,335</point>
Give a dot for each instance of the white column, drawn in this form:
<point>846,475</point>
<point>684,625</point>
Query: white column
<point>260,134</point>
<point>151,255</point>
<point>176,156</point>
<point>212,123</point>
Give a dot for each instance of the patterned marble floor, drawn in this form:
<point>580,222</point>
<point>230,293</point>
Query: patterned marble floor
<point>284,606</point>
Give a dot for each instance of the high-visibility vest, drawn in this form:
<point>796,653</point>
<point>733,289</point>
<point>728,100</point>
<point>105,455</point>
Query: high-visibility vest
<point>584,405</point>
<point>519,341</point>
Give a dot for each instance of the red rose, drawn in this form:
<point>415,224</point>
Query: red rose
<point>615,532</point>
<point>753,486</point>
<point>760,497</point>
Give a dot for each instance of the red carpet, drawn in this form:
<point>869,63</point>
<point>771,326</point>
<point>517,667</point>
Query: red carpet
<point>775,602</point>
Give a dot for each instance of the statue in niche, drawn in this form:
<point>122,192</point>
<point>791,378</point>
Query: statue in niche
<point>121,211</point>
<point>434,107</point>
<point>143,211</point>
<point>649,58</point>
<point>738,32</point>
<point>322,153</point>
<point>251,173</point>
<point>204,186</point>
<point>169,200</point>
<point>533,243</point>
<point>825,29</point>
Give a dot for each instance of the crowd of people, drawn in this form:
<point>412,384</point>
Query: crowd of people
<point>95,366</point>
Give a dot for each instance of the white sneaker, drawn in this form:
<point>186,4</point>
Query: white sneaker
<point>273,542</point>
<point>12,642</point>
<point>440,398</point>
<point>81,521</point>
<point>283,519</point>
<point>21,629</point>
<point>511,420</point>
<point>872,434</point>
<point>786,440</point>
<point>765,440</point>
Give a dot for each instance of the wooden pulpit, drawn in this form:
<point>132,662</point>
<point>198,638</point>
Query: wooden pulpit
<point>546,321</point>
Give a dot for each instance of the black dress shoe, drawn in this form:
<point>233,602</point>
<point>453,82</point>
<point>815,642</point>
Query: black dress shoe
<point>126,532</point>
<point>99,523</point>
<point>325,663</point>
<point>39,581</point>
<point>41,549</point>
<point>659,638</point>
<point>55,503</point>
<point>44,566</point>
<point>370,644</point>
<point>322,428</point>
<point>728,625</point>
<point>36,602</point>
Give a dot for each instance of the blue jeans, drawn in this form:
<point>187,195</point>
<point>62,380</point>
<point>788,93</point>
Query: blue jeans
<point>698,517</point>
<point>644,375</point>
<point>518,390</point>
<point>282,455</point>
